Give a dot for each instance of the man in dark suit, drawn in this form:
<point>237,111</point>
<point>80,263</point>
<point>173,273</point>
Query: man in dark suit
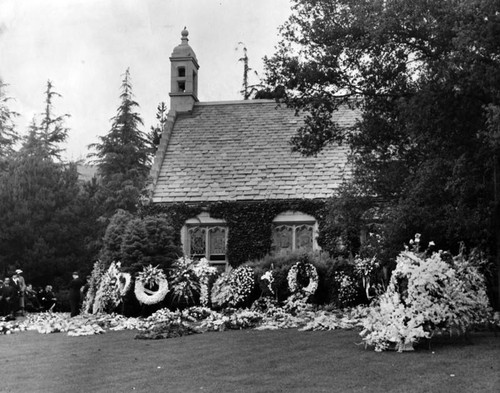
<point>75,287</point>
<point>9,297</point>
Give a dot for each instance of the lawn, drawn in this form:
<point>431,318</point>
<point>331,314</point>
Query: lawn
<point>243,361</point>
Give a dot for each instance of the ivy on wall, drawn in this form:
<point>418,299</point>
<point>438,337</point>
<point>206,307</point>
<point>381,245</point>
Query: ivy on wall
<point>249,223</point>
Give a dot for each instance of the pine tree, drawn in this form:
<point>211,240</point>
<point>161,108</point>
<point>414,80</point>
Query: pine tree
<point>156,131</point>
<point>47,219</point>
<point>122,156</point>
<point>8,134</point>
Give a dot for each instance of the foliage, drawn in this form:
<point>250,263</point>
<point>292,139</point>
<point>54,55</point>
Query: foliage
<point>43,138</point>
<point>45,223</point>
<point>427,295</point>
<point>249,224</point>
<point>155,132</point>
<point>113,237</point>
<point>123,155</point>
<point>8,133</point>
<point>421,75</point>
<point>48,215</point>
<point>149,240</point>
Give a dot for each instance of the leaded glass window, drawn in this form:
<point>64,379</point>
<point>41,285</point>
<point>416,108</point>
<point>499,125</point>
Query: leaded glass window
<point>217,243</point>
<point>293,231</point>
<point>282,239</point>
<point>197,241</point>
<point>205,241</point>
<point>304,237</point>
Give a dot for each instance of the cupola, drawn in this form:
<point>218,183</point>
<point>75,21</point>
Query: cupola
<point>183,76</point>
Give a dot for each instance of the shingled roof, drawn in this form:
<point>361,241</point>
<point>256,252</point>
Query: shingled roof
<point>240,151</point>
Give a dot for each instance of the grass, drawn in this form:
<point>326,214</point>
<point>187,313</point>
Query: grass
<point>243,361</point>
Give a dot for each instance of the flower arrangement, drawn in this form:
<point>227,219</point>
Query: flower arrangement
<point>300,273</point>
<point>426,295</point>
<point>268,276</point>
<point>151,285</point>
<point>185,285</point>
<point>204,272</point>
<point>107,296</point>
<point>365,269</point>
<point>233,288</point>
<point>231,319</point>
<point>93,286</point>
<point>347,293</point>
<point>123,283</point>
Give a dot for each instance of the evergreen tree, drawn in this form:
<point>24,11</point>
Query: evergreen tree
<point>149,241</point>
<point>47,220</point>
<point>423,75</point>
<point>45,137</point>
<point>8,134</point>
<point>122,156</point>
<point>154,136</point>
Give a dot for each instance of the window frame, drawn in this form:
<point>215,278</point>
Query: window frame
<point>295,220</point>
<point>203,220</point>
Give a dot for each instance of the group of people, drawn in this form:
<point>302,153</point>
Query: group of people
<point>17,297</point>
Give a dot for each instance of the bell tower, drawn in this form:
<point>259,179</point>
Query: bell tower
<point>183,76</point>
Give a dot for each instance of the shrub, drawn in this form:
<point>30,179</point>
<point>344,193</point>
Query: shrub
<point>149,241</point>
<point>113,237</point>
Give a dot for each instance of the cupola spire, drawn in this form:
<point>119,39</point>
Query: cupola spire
<point>183,76</point>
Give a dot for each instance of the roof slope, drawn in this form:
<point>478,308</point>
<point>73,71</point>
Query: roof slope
<point>237,151</point>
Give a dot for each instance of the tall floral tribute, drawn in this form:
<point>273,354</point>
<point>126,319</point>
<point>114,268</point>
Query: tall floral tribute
<point>233,288</point>
<point>108,296</point>
<point>204,272</point>
<point>184,283</point>
<point>427,295</point>
<point>92,286</point>
<point>151,285</point>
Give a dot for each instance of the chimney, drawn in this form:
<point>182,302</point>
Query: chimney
<point>183,76</point>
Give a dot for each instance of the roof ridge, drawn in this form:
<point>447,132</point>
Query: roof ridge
<point>244,102</point>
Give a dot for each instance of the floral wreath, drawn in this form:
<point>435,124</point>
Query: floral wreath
<point>310,272</point>
<point>242,284</point>
<point>148,277</point>
<point>123,283</point>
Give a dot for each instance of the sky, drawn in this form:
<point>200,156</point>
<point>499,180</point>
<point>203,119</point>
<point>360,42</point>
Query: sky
<point>84,47</point>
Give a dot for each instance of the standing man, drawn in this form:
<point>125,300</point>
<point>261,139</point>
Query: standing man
<point>75,287</point>
<point>21,285</point>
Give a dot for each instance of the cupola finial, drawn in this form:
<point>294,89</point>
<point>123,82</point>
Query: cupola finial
<point>184,34</point>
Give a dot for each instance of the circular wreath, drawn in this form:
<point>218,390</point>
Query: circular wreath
<point>123,283</point>
<point>309,271</point>
<point>151,276</point>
